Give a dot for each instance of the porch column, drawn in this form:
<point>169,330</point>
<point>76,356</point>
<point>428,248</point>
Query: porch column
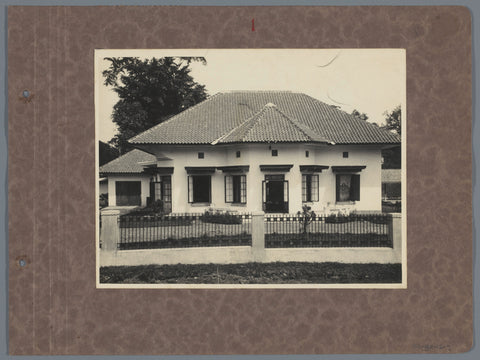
<point>110,230</point>
<point>258,236</point>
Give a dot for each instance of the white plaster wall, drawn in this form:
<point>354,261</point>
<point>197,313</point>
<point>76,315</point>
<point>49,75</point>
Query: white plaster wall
<point>145,187</point>
<point>255,155</point>
<point>370,177</point>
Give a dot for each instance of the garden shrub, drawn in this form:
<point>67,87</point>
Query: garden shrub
<point>340,218</point>
<point>154,208</point>
<point>103,202</point>
<point>305,217</point>
<point>220,217</point>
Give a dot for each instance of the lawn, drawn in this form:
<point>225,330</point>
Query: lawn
<point>254,273</point>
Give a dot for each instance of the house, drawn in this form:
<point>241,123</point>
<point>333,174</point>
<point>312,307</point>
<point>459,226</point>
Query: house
<point>246,151</point>
<point>128,183</point>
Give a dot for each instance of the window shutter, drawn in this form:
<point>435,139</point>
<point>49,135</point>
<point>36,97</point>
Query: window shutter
<point>190,189</point>
<point>152,191</point>
<point>228,189</point>
<point>337,188</point>
<point>355,188</point>
<point>209,189</point>
<point>264,192</point>
<point>314,187</point>
<point>285,191</point>
<point>304,188</point>
<point>243,189</point>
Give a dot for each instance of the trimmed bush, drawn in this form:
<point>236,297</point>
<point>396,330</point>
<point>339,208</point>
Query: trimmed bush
<point>220,217</point>
<point>340,218</point>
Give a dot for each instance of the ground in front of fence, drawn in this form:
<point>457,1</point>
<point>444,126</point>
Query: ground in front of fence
<point>254,273</point>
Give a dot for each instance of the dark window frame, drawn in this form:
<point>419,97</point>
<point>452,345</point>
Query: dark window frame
<point>310,188</point>
<point>235,189</point>
<point>354,189</point>
<point>193,185</point>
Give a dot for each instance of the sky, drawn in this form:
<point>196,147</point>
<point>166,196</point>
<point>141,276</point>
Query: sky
<point>370,80</point>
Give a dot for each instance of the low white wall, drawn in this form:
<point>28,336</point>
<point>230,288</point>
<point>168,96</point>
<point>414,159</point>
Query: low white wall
<point>243,254</point>
<point>206,255</point>
<point>342,255</point>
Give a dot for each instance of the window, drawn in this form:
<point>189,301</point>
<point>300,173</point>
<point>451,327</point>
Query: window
<point>309,187</point>
<point>161,189</point>
<point>307,153</point>
<point>156,190</point>
<point>167,190</point>
<point>237,154</point>
<point>201,155</point>
<point>236,189</point>
<point>128,193</point>
<point>199,189</point>
<point>274,152</point>
<point>347,187</point>
<point>345,154</point>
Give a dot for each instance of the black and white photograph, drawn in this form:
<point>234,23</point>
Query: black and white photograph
<point>251,168</point>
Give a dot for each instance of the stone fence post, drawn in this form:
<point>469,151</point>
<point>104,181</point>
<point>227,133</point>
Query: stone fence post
<point>397,235</point>
<point>258,236</point>
<point>110,230</point>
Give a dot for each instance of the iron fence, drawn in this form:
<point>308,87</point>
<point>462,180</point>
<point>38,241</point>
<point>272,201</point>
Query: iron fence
<point>354,230</point>
<point>184,230</point>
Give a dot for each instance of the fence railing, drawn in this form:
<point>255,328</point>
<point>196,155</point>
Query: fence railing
<point>184,230</point>
<point>262,231</point>
<point>354,230</point>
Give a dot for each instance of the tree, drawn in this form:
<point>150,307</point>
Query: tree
<point>392,158</point>
<point>359,115</point>
<point>394,120</point>
<point>150,91</point>
<point>106,153</point>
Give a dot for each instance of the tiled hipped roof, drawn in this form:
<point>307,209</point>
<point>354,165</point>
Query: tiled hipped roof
<point>270,125</point>
<point>128,163</point>
<point>264,116</point>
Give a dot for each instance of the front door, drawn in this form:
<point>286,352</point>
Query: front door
<point>161,189</point>
<point>275,194</point>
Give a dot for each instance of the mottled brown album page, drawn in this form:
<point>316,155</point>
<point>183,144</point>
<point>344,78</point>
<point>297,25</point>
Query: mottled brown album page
<point>55,306</point>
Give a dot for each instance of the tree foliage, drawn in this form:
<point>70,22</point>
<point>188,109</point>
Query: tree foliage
<point>394,120</point>
<point>392,158</point>
<point>106,153</point>
<point>359,115</point>
<point>150,91</point>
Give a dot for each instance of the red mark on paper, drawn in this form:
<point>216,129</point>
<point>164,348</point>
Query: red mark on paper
<point>253,24</point>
